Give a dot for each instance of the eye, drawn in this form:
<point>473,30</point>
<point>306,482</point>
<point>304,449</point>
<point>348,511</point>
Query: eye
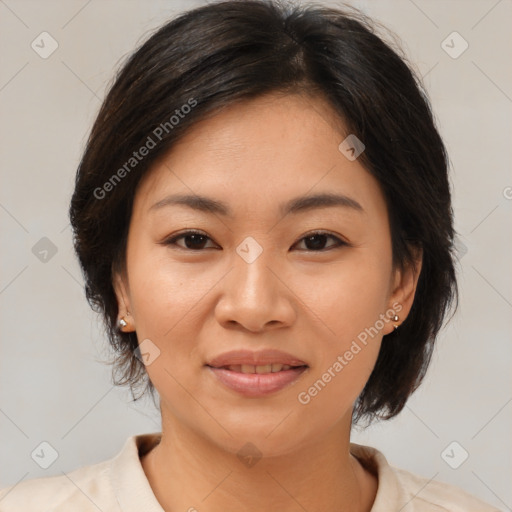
<point>196,240</point>
<point>316,241</point>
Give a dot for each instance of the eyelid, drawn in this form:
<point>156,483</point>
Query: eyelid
<point>173,238</point>
<point>339,240</point>
<point>322,232</point>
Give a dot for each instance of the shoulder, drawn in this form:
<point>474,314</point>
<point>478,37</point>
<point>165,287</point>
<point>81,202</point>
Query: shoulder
<point>48,493</point>
<point>402,490</point>
<point>85,488</point>
<point>430,494</point>
<point>116,484</point>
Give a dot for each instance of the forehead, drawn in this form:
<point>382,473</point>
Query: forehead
<point>258,153</point>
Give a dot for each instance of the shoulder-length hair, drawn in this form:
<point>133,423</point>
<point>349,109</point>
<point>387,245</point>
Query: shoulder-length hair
<point>222,53</point>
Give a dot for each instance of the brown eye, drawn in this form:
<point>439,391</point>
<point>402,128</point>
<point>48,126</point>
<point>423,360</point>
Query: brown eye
<point>316,241</point>
<point>194,240</point>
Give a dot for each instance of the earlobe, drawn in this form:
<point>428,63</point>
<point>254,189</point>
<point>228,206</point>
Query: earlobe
<point>125,321</point>
<point>405,285</point>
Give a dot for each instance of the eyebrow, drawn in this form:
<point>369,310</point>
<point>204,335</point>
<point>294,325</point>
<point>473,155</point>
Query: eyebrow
<point>296,205</point>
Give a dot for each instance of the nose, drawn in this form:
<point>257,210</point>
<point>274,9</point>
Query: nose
<point>255,296</point>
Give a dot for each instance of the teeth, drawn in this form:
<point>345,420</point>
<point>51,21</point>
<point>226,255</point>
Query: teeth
<point>277,367</point>
<point>267,368</point>
<point>264,369</point>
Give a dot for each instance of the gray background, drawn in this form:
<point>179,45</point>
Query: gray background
<point>53,387</point>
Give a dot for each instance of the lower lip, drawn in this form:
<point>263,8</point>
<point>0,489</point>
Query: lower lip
<point>257,384</point>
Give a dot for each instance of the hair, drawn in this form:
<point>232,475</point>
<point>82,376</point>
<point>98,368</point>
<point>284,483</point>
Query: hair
<point>214,56</point>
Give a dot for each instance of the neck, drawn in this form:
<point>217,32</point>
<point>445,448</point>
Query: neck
<point>187,471</point>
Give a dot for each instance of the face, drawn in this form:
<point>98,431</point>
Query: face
<point>314,282</point>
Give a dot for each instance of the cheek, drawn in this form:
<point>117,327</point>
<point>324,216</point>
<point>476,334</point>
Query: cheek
<point>337,302</point>
<point>164,295</point>
<point>350,332</point>
<point>347,296</point>
<point>171,304</point>
<point>167,300</point>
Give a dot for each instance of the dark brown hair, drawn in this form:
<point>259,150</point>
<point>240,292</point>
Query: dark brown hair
<point>213,56</point>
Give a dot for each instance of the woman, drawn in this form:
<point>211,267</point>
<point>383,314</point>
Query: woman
<point>263,218</point>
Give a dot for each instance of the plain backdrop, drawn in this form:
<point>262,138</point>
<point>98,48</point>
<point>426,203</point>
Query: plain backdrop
<point>53,387</point>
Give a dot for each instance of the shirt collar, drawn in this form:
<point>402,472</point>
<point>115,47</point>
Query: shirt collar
<point>390,493</point>
<point>133,492</point>
<point>130,484</point>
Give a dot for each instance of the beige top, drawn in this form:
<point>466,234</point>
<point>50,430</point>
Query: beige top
<point>120,485</point>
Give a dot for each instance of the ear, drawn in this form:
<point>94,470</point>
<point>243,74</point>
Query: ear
<point>404,285</point>
<point>122,291</point>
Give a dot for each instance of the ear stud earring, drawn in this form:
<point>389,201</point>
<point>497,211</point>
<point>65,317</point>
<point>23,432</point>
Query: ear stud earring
<point>122,322</point>
<point>395,319</point>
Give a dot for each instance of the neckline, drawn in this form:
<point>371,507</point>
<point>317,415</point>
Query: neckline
<point>134,492</point>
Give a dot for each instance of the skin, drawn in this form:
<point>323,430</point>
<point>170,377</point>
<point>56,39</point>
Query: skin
<point>308,300</point>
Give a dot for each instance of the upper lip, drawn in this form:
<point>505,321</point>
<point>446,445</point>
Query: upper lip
<point>260,358</point>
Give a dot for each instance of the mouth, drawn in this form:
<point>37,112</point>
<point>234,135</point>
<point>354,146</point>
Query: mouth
<point>259,369</point>
<point>261,360</point>
<point>256,374</point>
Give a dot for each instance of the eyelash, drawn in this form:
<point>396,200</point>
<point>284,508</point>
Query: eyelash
<point>173,239</point>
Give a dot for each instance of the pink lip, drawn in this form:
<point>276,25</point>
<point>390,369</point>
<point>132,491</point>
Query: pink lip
<point>257,384</point>
<point>263,357</point>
